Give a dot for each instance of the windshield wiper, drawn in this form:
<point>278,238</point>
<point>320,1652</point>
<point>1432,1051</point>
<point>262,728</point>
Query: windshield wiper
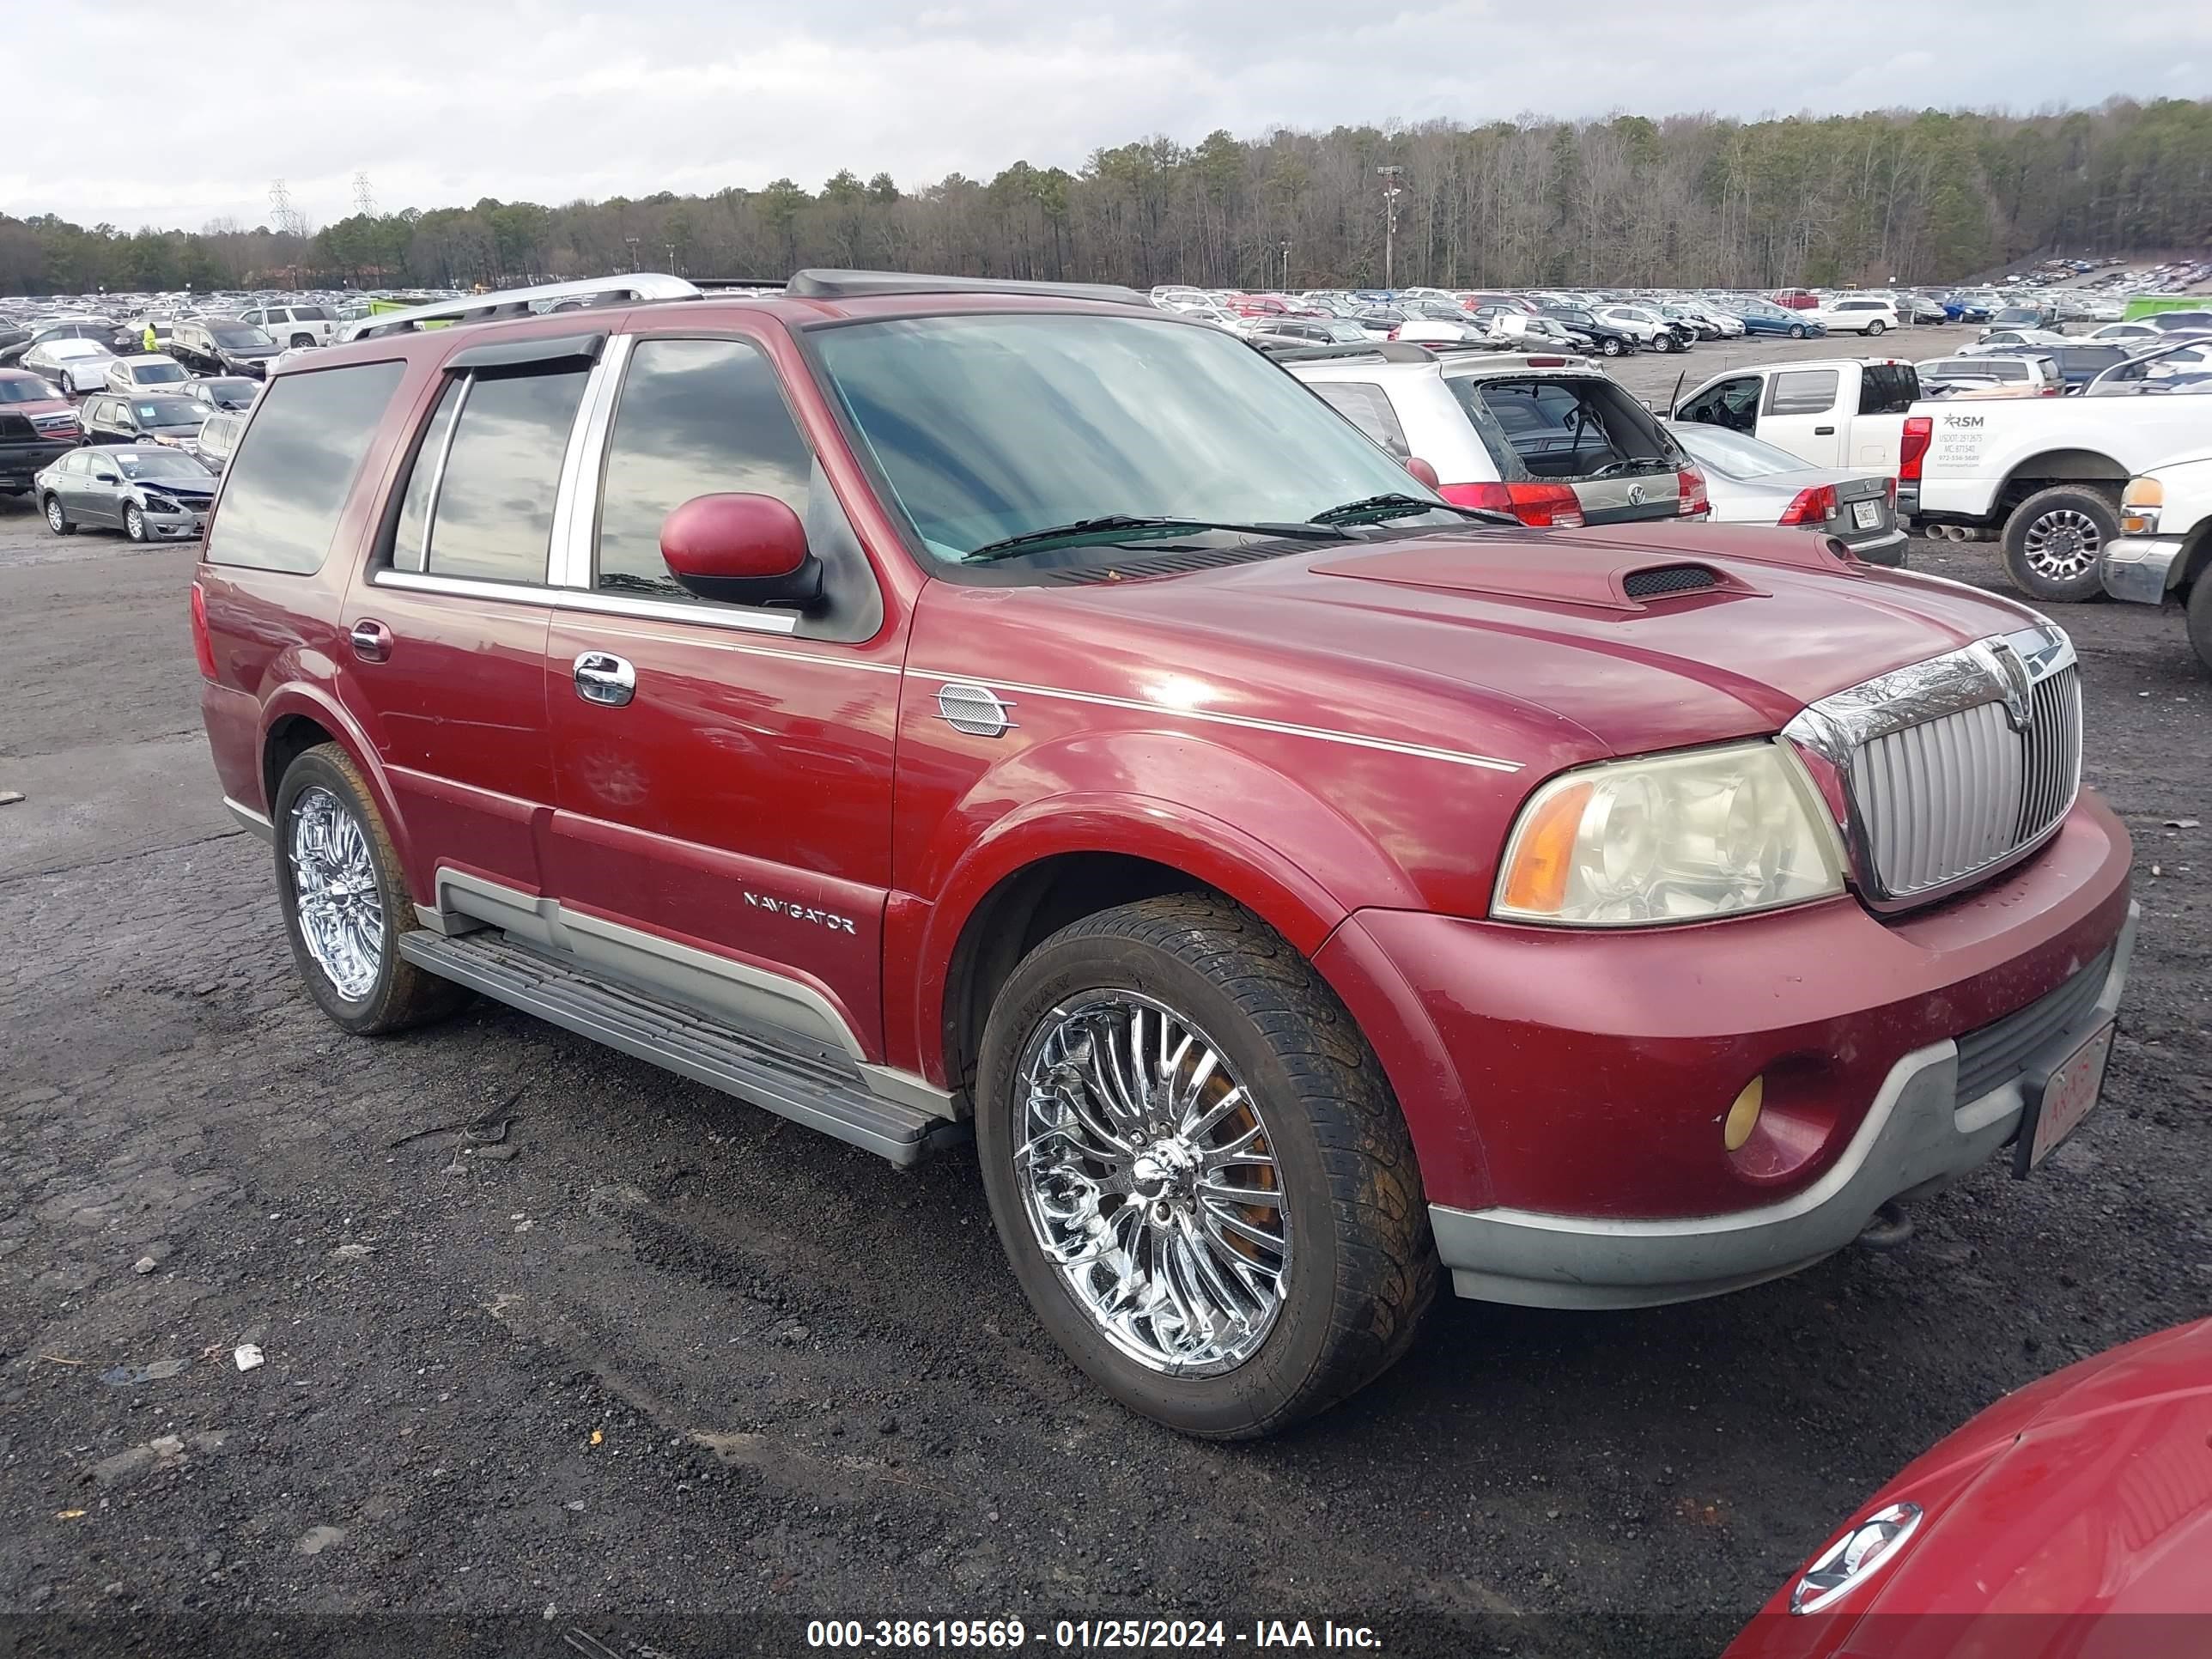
<point>1129,526</point>
<point>1399,507</point>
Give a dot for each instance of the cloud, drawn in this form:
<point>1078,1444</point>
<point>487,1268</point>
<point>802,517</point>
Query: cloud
<point>555,100</point>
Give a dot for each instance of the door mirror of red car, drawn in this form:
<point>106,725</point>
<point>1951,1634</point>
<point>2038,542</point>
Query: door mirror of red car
<point>743,549</point>
<point>1422,471</point>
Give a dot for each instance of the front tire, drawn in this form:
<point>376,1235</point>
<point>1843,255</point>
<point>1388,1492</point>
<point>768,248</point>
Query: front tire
<point>1204,1184</point>
<point>134,524</point>
<point>1610,348</point>
<point>2198,612</point>
<point>345,901</point>
<point>2053,541</point>
<point>57,520</point>
<point>1797,330</point>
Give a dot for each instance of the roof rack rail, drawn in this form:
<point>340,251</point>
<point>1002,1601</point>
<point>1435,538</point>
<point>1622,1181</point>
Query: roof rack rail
<point>740,284</point>
<point>627,290</point>
<point>1388,351</point>
<point>863,284</point>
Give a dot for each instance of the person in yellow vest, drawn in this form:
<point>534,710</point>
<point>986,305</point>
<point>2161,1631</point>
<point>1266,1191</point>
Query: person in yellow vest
<point>153,340</point>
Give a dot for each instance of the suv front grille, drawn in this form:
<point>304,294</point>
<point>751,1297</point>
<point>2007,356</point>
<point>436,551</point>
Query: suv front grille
<point>1954,765</point>
<point>1954,794</point>
<point>1995,1054</point>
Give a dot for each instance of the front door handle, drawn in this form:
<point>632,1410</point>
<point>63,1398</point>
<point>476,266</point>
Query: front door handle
<point>1824,432</point>
<point>604,677</point>
<point>372,640</point>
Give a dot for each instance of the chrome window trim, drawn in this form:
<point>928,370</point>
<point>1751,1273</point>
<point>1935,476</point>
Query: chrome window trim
<point>576,508</point>
<point>582,599</point>
<point>1838,725</point>
<point>1247,722</point>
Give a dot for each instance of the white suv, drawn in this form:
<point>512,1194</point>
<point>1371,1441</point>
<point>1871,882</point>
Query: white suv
<point>294,325</point>
<point>1553,441</point>
<point>1860,314</point>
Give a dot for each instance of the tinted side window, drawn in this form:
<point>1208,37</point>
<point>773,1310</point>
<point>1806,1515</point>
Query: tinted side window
<point>493,516</point>
<point>1888,389</point>
<point>1369,409</point>
<point>415,503</point>
<point>697,417</point>
<point>1803,391</point>
<point>296,465</point>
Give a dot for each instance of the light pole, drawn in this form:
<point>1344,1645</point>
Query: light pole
<point>1286,265</point>
<point>1390,177</point>
<point>632,240</point>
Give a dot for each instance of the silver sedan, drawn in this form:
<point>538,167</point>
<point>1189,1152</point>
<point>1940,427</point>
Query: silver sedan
<point>1754,482</point>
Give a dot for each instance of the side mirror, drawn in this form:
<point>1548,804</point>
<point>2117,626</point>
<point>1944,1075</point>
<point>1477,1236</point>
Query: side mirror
<point>1422,471</point>
<point>743,549</point>
<point>106,478</point>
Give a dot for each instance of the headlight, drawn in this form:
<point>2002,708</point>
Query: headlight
<point>1671,838</point>
<point>161,504</point>
<point>2139,504</point>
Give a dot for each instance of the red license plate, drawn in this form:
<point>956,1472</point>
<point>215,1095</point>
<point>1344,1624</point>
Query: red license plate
<point>2068,1092</point>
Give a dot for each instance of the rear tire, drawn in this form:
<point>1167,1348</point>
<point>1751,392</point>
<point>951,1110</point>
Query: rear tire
<point>57,520</point>
<point>2200,618</point>
<point>1873,329</point>
<point>332,841</point>
<point>2053,540</point>
<point>1134,1304</point>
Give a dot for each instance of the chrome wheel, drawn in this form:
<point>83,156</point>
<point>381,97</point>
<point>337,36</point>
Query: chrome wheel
<point>2062,544</point>
<point>134,524</point>
<point>1150,1184</point>
<point>55,520</point>
<point>335,899</point>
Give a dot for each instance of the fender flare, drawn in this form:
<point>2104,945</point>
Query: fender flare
<point>309,701</point>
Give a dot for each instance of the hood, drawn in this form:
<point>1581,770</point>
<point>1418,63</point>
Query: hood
<point>2088,1492</point>
<point>1529,635</point>
<point>249,353</point>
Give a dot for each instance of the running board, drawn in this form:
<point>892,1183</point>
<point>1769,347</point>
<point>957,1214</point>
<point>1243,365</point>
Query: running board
<point>808,1083</point>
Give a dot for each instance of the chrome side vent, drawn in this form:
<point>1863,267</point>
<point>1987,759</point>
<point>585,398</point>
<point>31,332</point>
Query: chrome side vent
<point>974,709</point>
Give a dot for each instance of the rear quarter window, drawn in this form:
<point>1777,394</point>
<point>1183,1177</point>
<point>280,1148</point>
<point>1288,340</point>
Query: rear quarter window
<point>1888,389</point>
<point>294,468</point>
<point>1368,408</point>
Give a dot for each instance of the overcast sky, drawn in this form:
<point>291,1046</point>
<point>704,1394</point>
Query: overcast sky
<point>552,100</point>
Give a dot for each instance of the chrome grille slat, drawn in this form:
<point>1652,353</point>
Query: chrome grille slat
<point>1953,765</point>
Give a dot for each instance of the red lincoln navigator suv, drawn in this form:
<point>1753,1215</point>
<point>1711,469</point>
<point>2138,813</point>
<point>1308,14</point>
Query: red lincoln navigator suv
<point>921,707</point>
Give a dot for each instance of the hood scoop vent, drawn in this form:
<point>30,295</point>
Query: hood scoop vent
<point>1548,568</point>
<point>1660,580</point>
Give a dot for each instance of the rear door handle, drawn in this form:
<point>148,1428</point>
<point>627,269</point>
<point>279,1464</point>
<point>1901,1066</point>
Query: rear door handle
<point>604,677</point>
<point>372,640</point>
<point>1824,432</point>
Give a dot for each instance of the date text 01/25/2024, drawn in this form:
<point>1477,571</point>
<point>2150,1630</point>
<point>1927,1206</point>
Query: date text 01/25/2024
<point>1091,1634</point>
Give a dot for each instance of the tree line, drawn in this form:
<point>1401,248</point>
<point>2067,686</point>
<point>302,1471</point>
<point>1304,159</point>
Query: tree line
<point>1689,200</point>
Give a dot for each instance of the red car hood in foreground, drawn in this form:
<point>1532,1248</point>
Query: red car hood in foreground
<point>2073,1519</point>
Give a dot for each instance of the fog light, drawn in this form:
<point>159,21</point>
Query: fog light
<point>1743,1115</point>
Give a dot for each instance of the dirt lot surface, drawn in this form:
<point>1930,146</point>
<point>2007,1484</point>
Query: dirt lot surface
<point>663,1368</point>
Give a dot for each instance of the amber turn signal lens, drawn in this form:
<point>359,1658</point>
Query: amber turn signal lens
<point>1543,855</point>
<point>1743,1116</point>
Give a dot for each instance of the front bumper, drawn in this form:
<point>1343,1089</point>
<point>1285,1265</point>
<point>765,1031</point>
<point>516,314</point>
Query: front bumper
<point>174,526</point>
<point>2138,568</point>
<point>1918,1136</point>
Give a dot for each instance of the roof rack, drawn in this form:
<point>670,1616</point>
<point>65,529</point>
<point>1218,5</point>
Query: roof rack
<point>1388,351</point>
<point>627,290</point>
<point>865,284</point>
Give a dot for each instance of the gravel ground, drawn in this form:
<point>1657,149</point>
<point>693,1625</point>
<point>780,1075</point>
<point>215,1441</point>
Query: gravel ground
<point>662,1367</point>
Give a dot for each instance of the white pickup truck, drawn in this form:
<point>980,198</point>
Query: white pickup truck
<point>1828,412</point>
<point>2045,473</point>
<point>2164,549</point>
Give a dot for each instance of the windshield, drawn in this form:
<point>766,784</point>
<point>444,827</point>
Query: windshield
<point>168,411</point>
<point>158,373</point>
<point>240,335</point>
<point>232,389</point>
<point>25,391</point>
<point>1731,454</point>
<point>987,427</point>
<point>157,464</point>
